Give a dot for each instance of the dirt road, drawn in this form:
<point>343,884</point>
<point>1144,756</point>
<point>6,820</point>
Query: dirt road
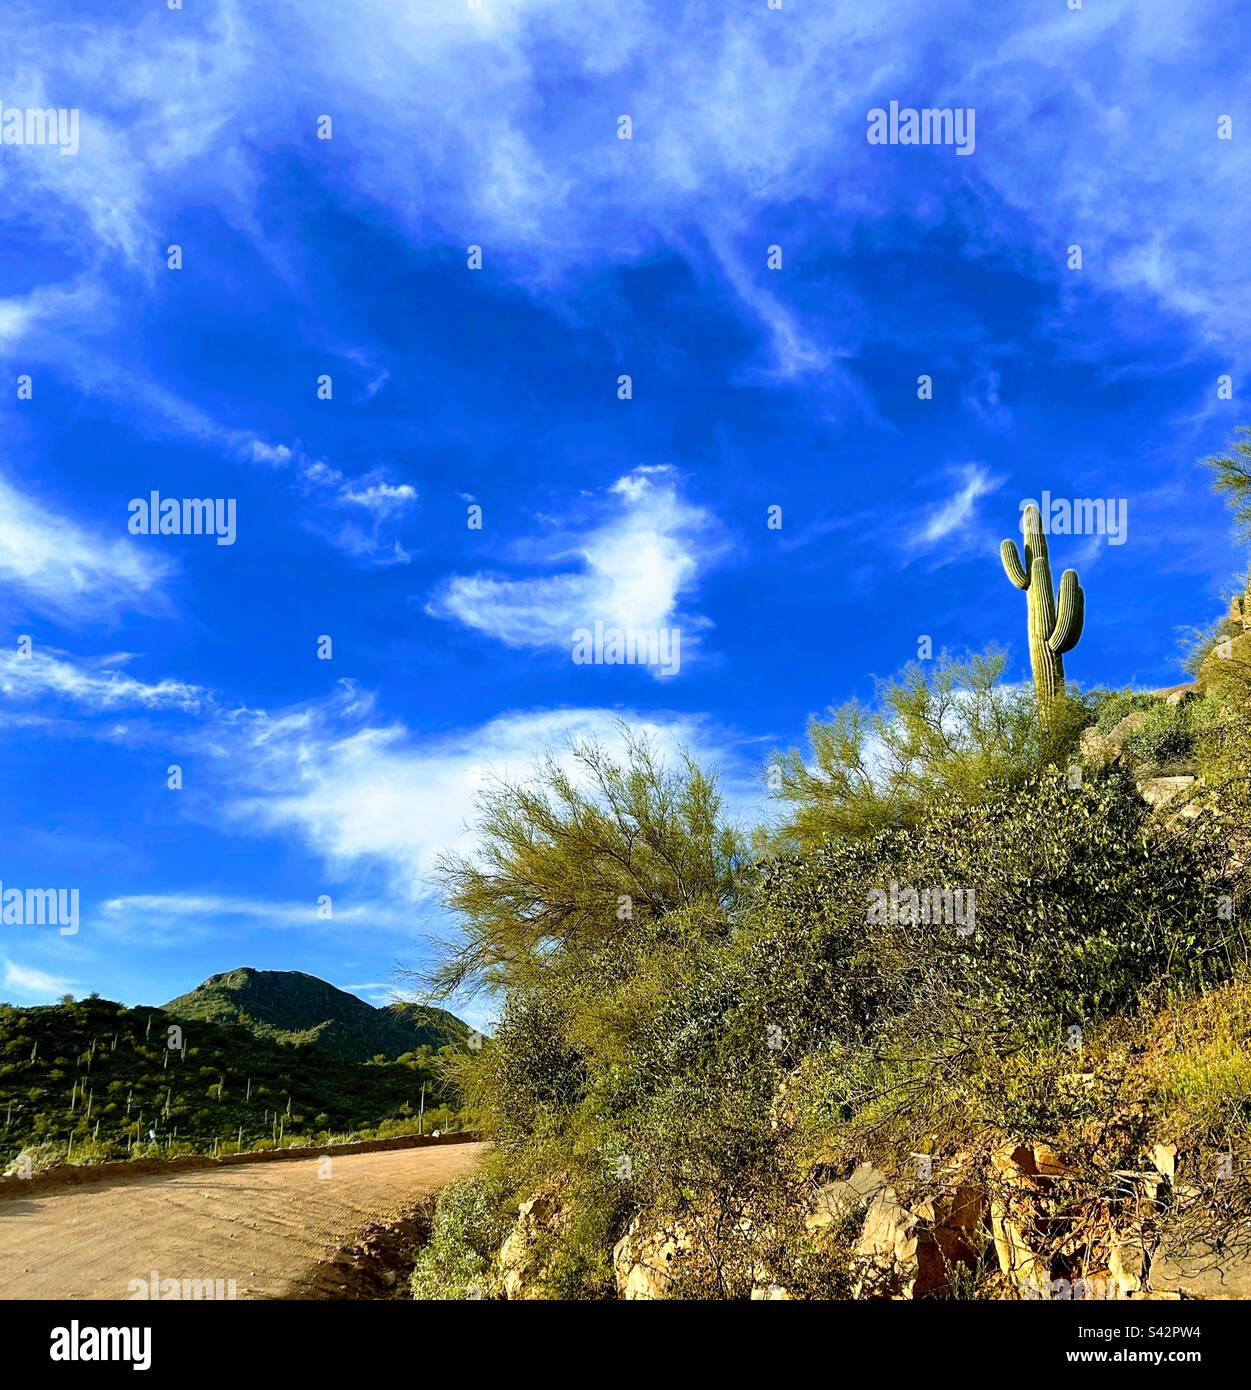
<point>270,1227</point>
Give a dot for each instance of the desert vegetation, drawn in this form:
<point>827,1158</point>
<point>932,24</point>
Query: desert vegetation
<point>968,1018</point>
<point>91,1080</point>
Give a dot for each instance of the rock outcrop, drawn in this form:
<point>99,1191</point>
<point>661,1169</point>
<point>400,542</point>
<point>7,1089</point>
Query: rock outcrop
<point>902,1251</point>
<point>647,1259</point>
<point>520,1264</point>
<point>1109,747</point>
<point>1161,792</point>
<point>1015,1221</point>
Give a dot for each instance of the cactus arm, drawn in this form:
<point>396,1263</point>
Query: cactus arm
<point>1071,616</point>
<point>1012,565</point>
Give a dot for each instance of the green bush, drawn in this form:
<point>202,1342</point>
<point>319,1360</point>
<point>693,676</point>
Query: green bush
<point>1081,900</point>
<point>1167,737</point>
<point>472,1217</point>
<point>1111,706</point>
<point>955,729</point>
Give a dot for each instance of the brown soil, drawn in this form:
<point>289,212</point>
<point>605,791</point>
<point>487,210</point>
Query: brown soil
<point>289,1229</point>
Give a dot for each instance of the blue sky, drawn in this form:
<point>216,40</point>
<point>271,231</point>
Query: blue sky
<point>497,127</point>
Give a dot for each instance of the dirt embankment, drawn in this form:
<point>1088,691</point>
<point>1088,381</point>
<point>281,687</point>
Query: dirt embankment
<point>329,1224</point>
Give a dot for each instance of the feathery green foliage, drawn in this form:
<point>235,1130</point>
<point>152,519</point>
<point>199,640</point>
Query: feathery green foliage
<point>1232,479</point>
<point>952,730</point>
<point>569,859</point>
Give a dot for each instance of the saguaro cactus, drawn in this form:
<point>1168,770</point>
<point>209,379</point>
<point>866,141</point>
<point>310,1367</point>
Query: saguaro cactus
<point>1051,633</point>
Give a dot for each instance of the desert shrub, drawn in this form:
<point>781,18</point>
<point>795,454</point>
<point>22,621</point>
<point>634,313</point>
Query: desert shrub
<point>528,1074</point>
<point>692,1064</point>
<point>1079,899</point>
<point>1167,737</point>
<point>53,1153</point>
<point>954,729</point>
<point>1221,661</point>
<point>36,1158</point>
<point>1232,478</point>
<point>587,844</point>
<point>1111,706</point>
<point>472,1217</point>
<point>578,1262</point>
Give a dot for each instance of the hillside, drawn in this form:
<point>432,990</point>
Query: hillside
<point>973,1022</point>
<point>289,1006</point>
<point>109,1076</point>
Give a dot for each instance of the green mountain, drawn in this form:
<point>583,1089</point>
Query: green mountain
<point>289,1006</point>
<point>109,1078</point>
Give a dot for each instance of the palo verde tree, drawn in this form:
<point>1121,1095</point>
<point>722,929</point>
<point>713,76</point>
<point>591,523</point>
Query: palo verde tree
<point>1233,478</point>
<point>950,731</point>
<point>574,856</point>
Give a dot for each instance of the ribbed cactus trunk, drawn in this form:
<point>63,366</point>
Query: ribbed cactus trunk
<point>1054,629</point>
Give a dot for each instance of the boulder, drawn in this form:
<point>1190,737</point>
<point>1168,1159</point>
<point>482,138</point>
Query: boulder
<point>539,1216</point>
<point>1030,1166</point>
<point>916,1253</point>
<point>1164,1160</point>
<point>834,1202</point>
<point>1158,792</point>
<point>1091,746</point>
<point>1198,1270</point>
<point>952,1218</point>
<point>1235,642</point>
<point>1106,748</point>
<point>1177,694</point>
<point>1017,1172</point>
<point>646,1259</point>
<point>886,1252</point>
<point>1048,1164</point>
<point>1024,1267</point>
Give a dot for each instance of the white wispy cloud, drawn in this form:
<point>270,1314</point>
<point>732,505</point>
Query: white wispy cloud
<point>375,801</point>
<point>734,116</point>
<point>37,985</point>
<point>97,684</point>
<point>382,502</point>
<point>955,517</point>
<point>66,329</point>
<point>368,794</point>
<point>153,101</point>
<point>60,568</point>
<point>262,452</point>
<point>380,498</point>
<point>365,794</point>
<point>203,916</point>
<point>46,309</point>
<point>631,569</point>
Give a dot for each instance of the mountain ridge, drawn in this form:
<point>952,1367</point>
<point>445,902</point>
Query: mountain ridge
<point>292,1006</point>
